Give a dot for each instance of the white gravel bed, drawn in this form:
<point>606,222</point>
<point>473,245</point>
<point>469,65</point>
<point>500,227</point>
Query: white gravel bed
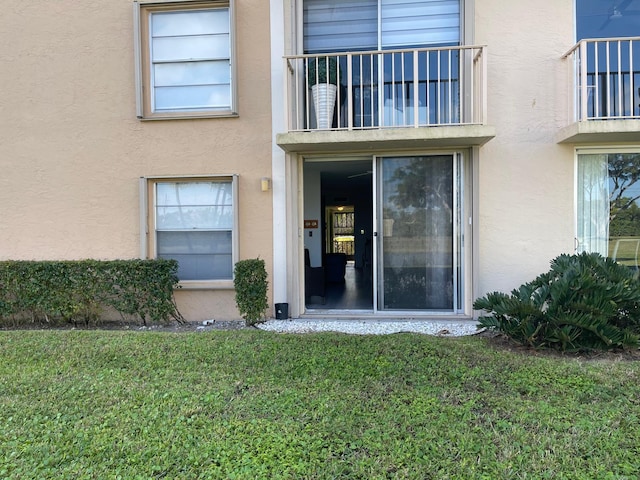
<point>441,328</point>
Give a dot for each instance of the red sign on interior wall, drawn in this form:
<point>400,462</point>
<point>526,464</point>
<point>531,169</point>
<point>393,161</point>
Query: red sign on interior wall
<point>311,224</point>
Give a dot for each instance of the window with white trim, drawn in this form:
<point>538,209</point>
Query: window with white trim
<point>185,59</point>
<point>193,221</point>
<point>608,204</point>
<point>351,25</point>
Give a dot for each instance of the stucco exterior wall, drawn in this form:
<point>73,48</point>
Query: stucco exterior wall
<point>526,179</point>
<point>72,149</point>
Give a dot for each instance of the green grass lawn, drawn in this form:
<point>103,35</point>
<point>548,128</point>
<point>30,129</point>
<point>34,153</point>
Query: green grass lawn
<point>251,404</point>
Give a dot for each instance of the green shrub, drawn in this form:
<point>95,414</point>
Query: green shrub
<point>327,71</point>
<point>79,291</point>
<point>584,302</point>
<point>250,282</point>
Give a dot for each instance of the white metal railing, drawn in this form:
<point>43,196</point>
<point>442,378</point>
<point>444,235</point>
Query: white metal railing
<point>606,79</point>
<point>388,88</point>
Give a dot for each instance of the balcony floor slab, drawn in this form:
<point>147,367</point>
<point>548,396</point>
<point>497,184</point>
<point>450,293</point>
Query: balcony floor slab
<point>601,131</point>
<point>389,139</point>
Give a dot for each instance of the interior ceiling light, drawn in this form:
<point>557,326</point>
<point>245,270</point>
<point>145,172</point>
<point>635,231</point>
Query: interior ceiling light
<point>618,10</point>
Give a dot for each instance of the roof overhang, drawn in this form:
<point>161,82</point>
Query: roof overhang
<point>339,141</point>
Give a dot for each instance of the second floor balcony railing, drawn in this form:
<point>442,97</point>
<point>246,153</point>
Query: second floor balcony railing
<point>388,88</point>
<point>606,79</point>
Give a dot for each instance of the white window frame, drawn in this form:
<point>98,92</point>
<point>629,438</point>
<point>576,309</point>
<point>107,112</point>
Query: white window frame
<point>384,31</point>
<point>148,245</point>
<point>595,150</point>
<point>142,11</point>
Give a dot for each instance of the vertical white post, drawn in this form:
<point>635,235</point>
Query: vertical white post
<point>450,89</point>
<point>438,93</point>
<point>283,251</point>
<point>596,84</point>
<point>455,260</point>
<point>632,95</point>
<point>416,90</point>
<point>620,88</point>
<point>583,80</point>
<point>349,92</point>
<point>372,95</point>
<point>484,86</point>
<point>608,80</point>
<point>427,55</point>
<point>375,237</point>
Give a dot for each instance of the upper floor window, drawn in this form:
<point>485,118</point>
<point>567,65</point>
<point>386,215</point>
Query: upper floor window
<point>351,25</point>
<point>607,18</point>
<point>387,89</point>
<point>185,59</point>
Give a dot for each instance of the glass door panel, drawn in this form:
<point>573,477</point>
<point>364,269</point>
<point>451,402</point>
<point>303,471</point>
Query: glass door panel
<point>608,213</point>
<point>418,233</point>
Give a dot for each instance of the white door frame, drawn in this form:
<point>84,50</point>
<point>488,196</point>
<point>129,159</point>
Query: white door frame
<point>462,248</point>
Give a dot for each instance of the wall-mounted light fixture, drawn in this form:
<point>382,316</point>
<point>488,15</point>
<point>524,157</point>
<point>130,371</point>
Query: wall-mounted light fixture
<point>265,184</point>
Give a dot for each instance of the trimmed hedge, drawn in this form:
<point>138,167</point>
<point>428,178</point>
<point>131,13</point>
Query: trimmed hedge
<point>79,291</point>
<point>251,285</point>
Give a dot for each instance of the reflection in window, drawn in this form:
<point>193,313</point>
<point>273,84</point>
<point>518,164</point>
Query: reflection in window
<point>419,267</point>
<point>190,60</point>
<point>612,66</point>
<point>384,92</point>
<point>608,217</point>
<point>607,19</point>
<point>194,224</point>
<point>185,59</point>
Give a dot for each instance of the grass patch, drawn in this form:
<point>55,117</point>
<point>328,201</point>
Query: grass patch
<point>252,404</point>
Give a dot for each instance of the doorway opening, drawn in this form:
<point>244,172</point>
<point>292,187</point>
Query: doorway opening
<point>338,214</point>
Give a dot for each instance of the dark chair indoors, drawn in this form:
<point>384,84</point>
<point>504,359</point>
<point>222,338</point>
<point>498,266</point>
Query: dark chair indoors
<point>313,279</point>
<point>335,265</point>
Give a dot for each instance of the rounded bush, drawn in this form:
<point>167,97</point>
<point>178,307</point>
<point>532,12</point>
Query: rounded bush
<point>584,302</point>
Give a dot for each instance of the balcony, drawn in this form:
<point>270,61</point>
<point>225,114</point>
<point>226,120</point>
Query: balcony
<point>604,97</point>
<point>392,99</point>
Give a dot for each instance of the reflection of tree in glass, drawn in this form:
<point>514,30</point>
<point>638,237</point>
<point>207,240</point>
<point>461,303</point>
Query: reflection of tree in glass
<point>422,197</point>
<point>624,213</point>
<point>417,247</point>
<point>626,222</point>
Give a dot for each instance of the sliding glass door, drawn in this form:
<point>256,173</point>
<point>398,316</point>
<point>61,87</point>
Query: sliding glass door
<point>608,204</point>
<point>419,233</point>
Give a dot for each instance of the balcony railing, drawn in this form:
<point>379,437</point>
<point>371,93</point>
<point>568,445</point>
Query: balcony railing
<point>606,79</point>
<point>392,88</point>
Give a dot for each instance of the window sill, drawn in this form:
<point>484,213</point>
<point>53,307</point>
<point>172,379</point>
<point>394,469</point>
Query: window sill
<point>187,116</point>
<point>206,285</point>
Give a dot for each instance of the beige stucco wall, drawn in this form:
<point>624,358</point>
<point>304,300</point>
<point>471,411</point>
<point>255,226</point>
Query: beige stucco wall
<point>72,150</point>
<point>526,180</point>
